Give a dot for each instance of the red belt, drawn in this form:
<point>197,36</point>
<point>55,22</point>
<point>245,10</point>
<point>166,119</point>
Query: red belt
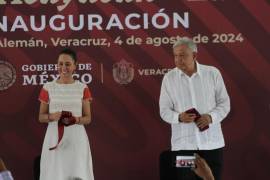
<point>66,119</point>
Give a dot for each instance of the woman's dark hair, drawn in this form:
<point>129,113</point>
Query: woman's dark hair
<point>69,52</point>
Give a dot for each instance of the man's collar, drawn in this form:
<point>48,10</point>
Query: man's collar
<point>180,71</point>
<point>198,69</point>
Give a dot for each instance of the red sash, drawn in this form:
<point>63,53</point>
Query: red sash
<point>66,119</point>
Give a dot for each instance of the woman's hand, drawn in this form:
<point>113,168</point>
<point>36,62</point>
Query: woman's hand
<point>54,116</point>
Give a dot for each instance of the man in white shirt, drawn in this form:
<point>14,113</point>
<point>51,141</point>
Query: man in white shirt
<point>4,173</point>
<point>193,85</point>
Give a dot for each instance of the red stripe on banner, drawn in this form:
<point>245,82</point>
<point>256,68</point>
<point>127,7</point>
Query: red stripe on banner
<point>117,53</point>
<point>17,57</point>
<point>114,123</point>
<point>258,10</point>
<point>16,144</point>
<point>117,132</point>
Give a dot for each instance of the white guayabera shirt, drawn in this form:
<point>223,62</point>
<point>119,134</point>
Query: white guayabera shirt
<point>5,175</point>
<point>205,91</point>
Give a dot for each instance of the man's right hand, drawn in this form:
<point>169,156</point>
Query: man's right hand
<point>186,117</point>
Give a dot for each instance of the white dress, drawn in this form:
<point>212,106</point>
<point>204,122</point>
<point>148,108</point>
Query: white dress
<point>72,159</point>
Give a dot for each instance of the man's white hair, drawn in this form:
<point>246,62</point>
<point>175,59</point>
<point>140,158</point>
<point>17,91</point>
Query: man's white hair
<point>188,42</point>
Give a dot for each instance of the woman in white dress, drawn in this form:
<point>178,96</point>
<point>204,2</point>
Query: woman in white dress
<point>70,159</point>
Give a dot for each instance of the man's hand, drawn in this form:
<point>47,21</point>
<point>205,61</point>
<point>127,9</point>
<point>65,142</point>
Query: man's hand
<point>186,117</point>
<point>202,169</point>
<point>204,121</point>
